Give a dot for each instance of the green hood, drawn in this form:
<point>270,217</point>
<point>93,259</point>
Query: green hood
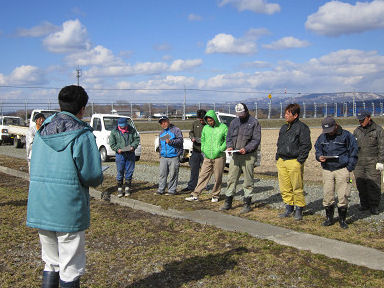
<point>212,114</point>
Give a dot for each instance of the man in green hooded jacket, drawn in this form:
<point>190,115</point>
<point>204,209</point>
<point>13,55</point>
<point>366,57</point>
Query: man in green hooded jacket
<point>212,146</point>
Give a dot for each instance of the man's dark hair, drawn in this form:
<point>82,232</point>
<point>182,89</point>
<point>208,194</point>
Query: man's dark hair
<point>72,98</point>
<point>293,108</point>
<point>201,113</point>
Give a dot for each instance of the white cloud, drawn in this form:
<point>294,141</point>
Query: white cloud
<point>96,56</point>
<point>256,64</point>
<point>24,75</point>
<point>71,38</point>
<point>194,17</point>
<point>43,29</point>
<point>286,43</point>
<point>181,65</point>
<point>162,47</point>
<point>146,68</point>
<point>226,43</point>
<point>257,6</point>
<point>336,18</point>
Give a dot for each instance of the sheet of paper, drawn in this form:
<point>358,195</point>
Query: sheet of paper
<point>103,168</point>
<point>331,157</point>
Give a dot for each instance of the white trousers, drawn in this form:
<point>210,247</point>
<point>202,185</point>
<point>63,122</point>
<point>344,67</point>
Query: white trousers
<point>64,253</point>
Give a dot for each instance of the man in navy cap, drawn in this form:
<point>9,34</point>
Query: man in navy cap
<point>336,150</point>
<point>124,140</point>
<point>370,139</point>
<point>170,148</point>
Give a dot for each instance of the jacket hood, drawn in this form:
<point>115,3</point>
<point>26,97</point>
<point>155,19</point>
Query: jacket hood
<point>59,130</point>
<point>212,114</point>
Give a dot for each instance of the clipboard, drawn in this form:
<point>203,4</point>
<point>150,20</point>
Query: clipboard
<point>103,168</point>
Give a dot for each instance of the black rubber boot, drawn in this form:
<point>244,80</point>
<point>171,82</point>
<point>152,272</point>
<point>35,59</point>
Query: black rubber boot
<point>227,203</point>
<point>50,279</point>
<point>247,205</point>
<point>329,212</point>
<point>288,211</point>
<point>120,192</point>
<point>127,189</point>
<point>72,284</point>
<point>299,213</point>
<point>342,216</point>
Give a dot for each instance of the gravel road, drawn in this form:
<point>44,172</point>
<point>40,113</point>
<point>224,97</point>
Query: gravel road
<point>266,190</point>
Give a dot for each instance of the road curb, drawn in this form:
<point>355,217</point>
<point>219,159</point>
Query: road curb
<point>351,253</point>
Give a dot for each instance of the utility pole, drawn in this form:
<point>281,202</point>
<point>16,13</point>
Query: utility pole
<point>78,75</point>
<point>185,100</point>
<point>256,110</point>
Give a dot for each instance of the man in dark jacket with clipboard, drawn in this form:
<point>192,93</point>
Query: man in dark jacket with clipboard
<point>336,149</point>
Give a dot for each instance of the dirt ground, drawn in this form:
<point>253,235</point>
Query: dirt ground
<point>312,169</point>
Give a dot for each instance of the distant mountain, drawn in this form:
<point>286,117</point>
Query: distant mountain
<point>339,97</point>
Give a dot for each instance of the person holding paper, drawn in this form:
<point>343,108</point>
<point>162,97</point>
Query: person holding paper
<point>244,134</point>
<point>124,140</point>
<point>370,139</point>
<point>335,141</point>
<point>213,147</point>
<point>293,146</point>
<point>170,148</point>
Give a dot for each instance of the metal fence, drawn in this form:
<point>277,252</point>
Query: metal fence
<point>266,110</point>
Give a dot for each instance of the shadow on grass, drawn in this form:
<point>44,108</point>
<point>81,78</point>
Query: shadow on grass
<point>14,203</point>
<point>177,273</point>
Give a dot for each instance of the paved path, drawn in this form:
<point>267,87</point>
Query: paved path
<point>354,254</point>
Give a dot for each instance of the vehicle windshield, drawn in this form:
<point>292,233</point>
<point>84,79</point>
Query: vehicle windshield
<point>226,119</point>
<point>47,113</point>
<point>110,123</point>
<point>11,121</point>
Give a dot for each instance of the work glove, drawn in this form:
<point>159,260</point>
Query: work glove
<point>380,166</point>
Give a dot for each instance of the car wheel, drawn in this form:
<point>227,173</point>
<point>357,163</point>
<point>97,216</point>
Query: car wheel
<point>103,154</point>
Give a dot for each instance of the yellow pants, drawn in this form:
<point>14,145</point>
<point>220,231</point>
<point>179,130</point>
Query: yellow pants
<point>290,173</point>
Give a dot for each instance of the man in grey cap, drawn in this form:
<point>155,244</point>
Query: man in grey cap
<point>336,150</point>
<point>244,137</point>
<point>370,139</point>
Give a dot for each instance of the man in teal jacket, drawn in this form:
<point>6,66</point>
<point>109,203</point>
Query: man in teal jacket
<point>212,146</point>
<point>65,163</point>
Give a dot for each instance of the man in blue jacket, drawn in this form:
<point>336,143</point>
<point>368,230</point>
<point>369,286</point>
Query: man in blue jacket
<point>65,163</point>
<point>170,148</point>
<point>336,150</point>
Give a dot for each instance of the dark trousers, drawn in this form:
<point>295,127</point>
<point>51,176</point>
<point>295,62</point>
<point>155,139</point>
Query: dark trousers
<point>195,162</point>
<point>125,165</point>
<point>368,182</point>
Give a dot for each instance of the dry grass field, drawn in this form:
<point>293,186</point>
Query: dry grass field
<point>269,137</point>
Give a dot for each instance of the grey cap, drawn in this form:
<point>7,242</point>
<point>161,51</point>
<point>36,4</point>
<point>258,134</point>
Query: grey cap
<point>328,124</point>
<point>362,114</point>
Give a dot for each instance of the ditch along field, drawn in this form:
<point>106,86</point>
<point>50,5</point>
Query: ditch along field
<point>130,248</point>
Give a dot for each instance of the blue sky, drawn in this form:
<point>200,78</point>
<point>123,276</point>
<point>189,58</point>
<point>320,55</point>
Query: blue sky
<point>257,46</point>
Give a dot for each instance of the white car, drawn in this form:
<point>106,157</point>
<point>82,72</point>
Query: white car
<point>188,144</point>
<point>102,125</point>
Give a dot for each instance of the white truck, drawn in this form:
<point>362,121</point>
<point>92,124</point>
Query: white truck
<point>102,125</point>
<point>5,121</point>
<point>188,144</point>
<point>18,132</point>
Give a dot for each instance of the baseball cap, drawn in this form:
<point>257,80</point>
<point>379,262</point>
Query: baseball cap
<point>241,109</point>
<point>328,124</point>
<point>122,122</point>
<point>362,114</point>
<point>163,118</point>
